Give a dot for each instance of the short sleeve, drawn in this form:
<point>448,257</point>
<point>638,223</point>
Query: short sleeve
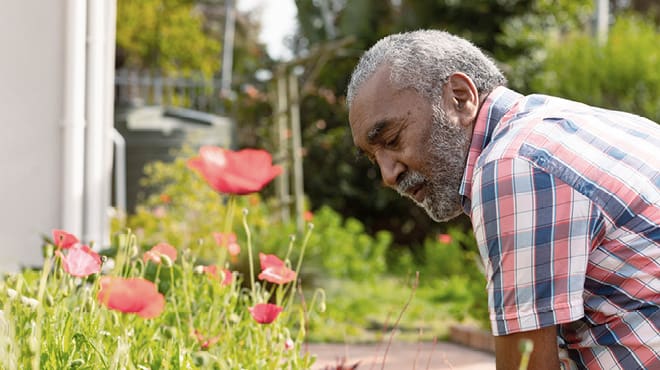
<point>534,234</point>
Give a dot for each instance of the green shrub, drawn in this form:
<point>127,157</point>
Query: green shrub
<point>621,74</point>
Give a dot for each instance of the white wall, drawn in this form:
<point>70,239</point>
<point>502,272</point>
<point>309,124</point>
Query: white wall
<point>31,86</point>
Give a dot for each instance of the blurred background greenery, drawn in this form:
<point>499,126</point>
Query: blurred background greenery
<point>368,242</point>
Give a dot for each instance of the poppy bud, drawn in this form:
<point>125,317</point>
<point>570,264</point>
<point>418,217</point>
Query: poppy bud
<point>49,300</point>
<point>201,359</point>
<point>30,302</point>
<point>134,251</point>
<point>169,332</point>
<point>11,293</point>
<point>167,261</point>
<point>76,363</point>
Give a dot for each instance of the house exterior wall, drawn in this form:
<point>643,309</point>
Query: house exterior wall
<point>32,36</point>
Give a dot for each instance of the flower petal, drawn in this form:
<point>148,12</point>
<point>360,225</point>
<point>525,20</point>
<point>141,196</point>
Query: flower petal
<point>269,260</point>
<point>278,274</point>
<point>63,239</point>
<point>80,261</point>
<point>158,250</point>
<point>235,172</point>
<point>265,313</point>
<point>131,295</point>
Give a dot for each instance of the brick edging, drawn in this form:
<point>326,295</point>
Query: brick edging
<point>472,337</point>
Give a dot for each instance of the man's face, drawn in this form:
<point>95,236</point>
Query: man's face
<point>420,150</point>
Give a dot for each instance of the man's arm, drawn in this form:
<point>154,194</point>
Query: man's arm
<point>545,355</point>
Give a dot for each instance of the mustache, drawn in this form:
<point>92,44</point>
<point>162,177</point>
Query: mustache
<point>408,181</point>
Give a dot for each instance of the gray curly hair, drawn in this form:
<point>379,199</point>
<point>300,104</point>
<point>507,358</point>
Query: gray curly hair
<point>424,60</point>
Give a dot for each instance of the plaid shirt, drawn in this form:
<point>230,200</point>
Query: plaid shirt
<point>565,203</point>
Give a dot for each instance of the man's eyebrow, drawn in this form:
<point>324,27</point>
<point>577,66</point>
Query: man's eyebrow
<point>374,133</point>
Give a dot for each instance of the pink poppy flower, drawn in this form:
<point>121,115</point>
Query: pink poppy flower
<point>235,172</point>
<point>274,270</point>
<point>269,260</point>
<point>228,279</point>
<point>445,238</point>
<point>63,239</point>
<point>158,250</point>
<point>308,216</point>
<point>132,295</point>
<point>278,275</point>
<point>80,261</point>
<point>212,271</point>
<point>265,313</point>
<point>228,240</point>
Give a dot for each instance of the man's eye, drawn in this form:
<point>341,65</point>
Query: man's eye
<point>392,142</point>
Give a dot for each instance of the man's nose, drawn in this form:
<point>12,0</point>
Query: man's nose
<point>390,168</point>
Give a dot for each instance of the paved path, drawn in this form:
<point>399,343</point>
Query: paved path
<point>402,356</point>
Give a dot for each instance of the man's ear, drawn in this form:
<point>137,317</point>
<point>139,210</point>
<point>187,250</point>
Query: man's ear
<point>461,97</point>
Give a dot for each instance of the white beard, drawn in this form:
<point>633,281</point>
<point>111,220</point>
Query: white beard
<point>448,145</point>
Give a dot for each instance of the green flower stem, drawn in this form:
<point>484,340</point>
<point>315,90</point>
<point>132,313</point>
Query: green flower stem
<point>186,268</point>
<point>176,306</point>
<point>304,246</point>
<point>250,256</point>
<point>48,264</point>
<point>308,234</point>
<point>157,279</point>
<point>229,224</point>
<point>292,239</point>
<point>318,293</point>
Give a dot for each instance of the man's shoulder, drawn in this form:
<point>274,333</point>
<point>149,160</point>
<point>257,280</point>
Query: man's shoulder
<point>562,127</point>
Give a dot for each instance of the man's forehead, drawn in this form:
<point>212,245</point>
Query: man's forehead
<point>370,97</point>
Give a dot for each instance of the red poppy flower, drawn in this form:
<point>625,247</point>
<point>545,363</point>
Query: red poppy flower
<point>265,313</point>
<point>445,238</point>
<point>274,270</point>
<point>308,216</point>
<point>132,295</point>
<point>235,172</point>
<point>158,250</point>
<point>228,240</point>
<point>80,261</point>
<point>63,239</point>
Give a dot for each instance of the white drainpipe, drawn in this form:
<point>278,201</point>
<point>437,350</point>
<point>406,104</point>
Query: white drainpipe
<point>95,177</point>
<point>73,118</point>
<point>109,114</point>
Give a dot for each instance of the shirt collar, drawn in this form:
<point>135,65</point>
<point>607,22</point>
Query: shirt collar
<point>497,104</point>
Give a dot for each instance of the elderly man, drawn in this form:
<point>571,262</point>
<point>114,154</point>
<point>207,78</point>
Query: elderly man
<point>564,198</point>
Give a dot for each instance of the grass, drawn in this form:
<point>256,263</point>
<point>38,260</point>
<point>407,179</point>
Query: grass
<point>365,311</point>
